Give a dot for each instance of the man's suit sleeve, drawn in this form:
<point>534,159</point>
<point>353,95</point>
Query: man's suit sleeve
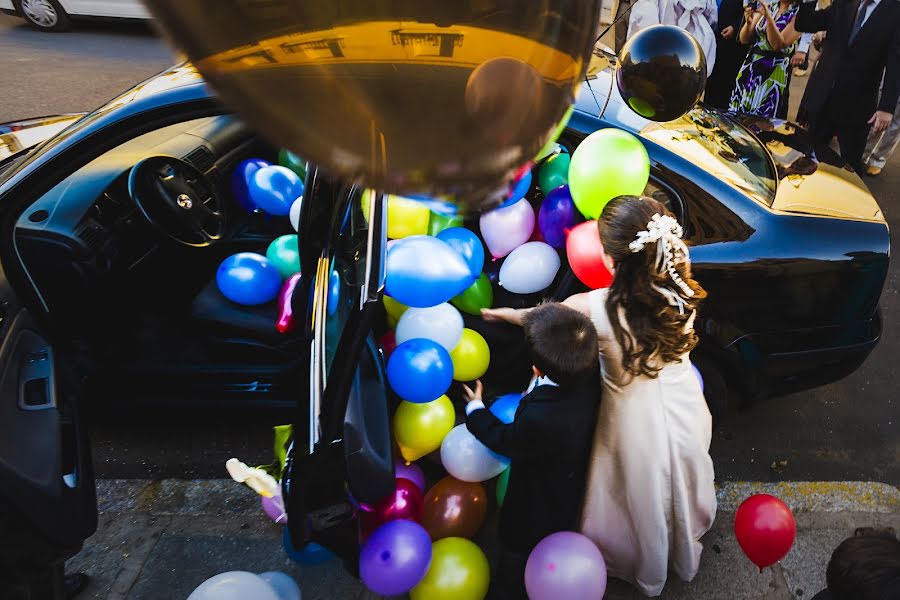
<point>890,91</point>
<point>810,20</point>
<point>520,439</point>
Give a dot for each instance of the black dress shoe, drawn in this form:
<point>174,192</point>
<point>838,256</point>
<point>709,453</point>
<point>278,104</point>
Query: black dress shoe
<point>75,583</point>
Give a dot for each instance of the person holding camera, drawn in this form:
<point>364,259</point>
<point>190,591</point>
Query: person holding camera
<point>761,86</point>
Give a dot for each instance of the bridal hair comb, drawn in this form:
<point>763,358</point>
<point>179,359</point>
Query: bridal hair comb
<point>666,233</point>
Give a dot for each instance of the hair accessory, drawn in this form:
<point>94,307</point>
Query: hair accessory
<point>666,232</point>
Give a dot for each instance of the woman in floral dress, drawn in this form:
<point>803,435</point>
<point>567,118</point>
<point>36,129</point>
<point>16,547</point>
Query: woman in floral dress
<point>761,82</point>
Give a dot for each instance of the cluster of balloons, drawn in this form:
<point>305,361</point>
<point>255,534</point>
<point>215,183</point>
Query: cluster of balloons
<point>251,279</point>
<point>240,585</point>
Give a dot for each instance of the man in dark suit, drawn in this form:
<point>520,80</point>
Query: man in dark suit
<point>730,54</point>
<point>842,95</point>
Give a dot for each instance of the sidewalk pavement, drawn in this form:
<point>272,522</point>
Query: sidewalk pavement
<point>160,539</point>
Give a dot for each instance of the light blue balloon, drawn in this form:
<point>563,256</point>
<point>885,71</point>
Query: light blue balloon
<point>274,189</point>
<point>283,584</point>
<point>248,278</point>
<point>420,370</point>
<point>504,407</point>
<point>467,244</point>
<point>424,271</point>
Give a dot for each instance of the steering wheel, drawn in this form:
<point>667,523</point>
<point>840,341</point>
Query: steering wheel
<point>178,199</point>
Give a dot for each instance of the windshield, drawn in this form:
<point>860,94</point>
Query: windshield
<point>721,147</point>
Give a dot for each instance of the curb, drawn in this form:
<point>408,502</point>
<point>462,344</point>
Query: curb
<point>218,496</point>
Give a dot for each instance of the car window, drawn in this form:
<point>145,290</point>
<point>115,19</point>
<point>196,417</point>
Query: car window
<point>347,276</point>
<point>665,195</point>
<point>721,147</point>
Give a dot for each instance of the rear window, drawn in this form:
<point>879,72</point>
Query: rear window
<point>721,147</point>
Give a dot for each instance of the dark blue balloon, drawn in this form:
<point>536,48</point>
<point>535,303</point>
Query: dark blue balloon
<point>240,180</point>
<point>420,370</point>
<point>274,189</point>
<point>467,244</point>
<point>248,278</point>
<point>424,271</point>
<point>504,407</point>
<point>334,292</point>
<point>557,216</point>
<point>312,554</point>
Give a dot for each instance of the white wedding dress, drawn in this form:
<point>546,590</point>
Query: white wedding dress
<point>650,494</point>
<point>697,17</point>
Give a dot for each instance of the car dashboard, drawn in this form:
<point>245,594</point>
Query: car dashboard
<point>84,242</point>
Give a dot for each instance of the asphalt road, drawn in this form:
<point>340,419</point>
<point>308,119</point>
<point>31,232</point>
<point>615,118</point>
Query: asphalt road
<point>846,431</point>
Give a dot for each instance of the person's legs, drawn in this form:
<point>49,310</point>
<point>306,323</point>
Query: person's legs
<point>852,141</point>
<point>881,146</point>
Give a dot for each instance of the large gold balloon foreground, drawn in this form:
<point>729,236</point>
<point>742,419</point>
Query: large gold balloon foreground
<point>416,96</point>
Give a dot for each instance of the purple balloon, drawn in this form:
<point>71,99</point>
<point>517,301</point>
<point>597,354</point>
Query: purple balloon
<point>411,471</point>
<point>274,508</point>
<point>395,558</point>
<point>505,229</point>
<point>240,178</point>
<point>557,216</point>
<point>565,565</point>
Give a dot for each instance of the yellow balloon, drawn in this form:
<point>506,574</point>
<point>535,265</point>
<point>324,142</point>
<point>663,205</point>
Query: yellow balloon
<point>406,217</point>
<point>459,571</point>
<point>420,428</point>
<point>394,309</point>
<point>365,202</point>
<point>471,356</point>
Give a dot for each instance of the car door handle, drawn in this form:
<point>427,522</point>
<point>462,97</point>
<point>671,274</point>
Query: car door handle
<point>36,381</point>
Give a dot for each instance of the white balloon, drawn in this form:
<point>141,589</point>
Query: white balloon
<point>442,324</point>
<point>294,214</point>
<point>530,268</point>
<point>234,585</point>
<point>283,584</point>
<point>467,459</point>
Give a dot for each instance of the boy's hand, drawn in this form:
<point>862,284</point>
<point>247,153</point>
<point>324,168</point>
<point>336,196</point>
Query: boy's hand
<point>473,394</point>
<point>499,314</point>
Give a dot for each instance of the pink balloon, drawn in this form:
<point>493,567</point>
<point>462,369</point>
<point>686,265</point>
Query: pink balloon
<point>406,502</point>
<point>286,319</point>
<point>505,229</point>
<point>410,471</point>
<point>565,565</point>
<point>274,508</point>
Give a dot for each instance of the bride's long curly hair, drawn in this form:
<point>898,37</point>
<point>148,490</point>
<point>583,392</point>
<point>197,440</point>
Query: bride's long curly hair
<point>655,332</point>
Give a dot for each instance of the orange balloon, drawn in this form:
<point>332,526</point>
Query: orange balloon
<point>454,508</point>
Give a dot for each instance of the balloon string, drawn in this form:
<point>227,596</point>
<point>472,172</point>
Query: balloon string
<point>616,20</point>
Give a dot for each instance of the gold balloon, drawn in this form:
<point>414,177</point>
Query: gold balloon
<point>435,97</point>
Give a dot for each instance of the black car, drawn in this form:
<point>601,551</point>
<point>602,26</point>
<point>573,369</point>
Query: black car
<point>108,289</point>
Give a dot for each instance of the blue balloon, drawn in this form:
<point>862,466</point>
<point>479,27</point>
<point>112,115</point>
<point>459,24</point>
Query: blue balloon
<point>248,278</point>
<point>420,370</point>
<point>312,554</point>
<point>467,244</point>
<point>240,180</point>
<point>521,188</point>
<point>334,292</point>
<point>274,189</point>
<point>424,271</point>
<point>504,407</point>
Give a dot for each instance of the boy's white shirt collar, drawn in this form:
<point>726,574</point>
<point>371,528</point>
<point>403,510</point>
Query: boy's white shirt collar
<point>477,403</point>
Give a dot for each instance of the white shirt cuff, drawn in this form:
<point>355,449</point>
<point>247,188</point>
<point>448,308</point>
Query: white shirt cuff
<point>474,405</point>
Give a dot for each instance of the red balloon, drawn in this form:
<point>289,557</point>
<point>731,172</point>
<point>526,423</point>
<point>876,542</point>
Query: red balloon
<point>765,529</point>
<point>287,321</point>
<point>387,343</point>
<point>406,502</point>
<point>585,254</point>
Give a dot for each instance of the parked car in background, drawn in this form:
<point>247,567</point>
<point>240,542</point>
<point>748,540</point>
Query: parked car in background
<point>57,15</point>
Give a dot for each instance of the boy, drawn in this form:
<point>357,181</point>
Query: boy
<point>864,567</point>
<point>549,442</point>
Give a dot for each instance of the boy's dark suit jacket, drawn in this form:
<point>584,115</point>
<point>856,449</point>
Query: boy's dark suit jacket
<point>549,445</point>
<point>849,71</point>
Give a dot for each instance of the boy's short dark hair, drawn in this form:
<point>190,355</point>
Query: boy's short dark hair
<point>866,567</point>
<point>562,342</point>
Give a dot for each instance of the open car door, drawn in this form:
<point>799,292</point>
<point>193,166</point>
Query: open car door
<point>48,505</point>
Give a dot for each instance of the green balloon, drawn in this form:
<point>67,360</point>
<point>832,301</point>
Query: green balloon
<point>607,164</point>
<point>288,159</point>
<point>284,253</point>
<point>477,296</point>
<point>502,485</point>
<point>437,223</point>
<point>554,173</point>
